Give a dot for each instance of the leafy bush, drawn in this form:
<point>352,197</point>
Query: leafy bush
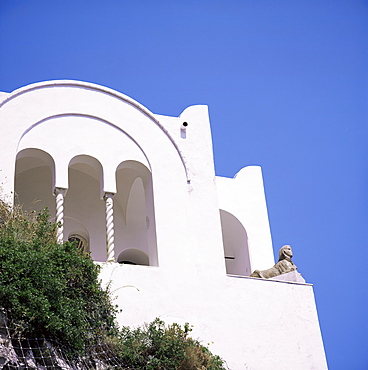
<point>50,289</point>
<point>156,347</point>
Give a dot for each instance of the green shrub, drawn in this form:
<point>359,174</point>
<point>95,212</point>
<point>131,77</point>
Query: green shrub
<point>157,347</point>
<point>50,289</point>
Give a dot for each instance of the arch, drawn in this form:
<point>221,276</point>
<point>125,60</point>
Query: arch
<point>83,207</point>
<point>83,134</point>
<point>134,210</point>
<point>34,180</point>
<point>40,155</point>
<point>80,115</point>
<point>89,165</point>
<point>235,241</point>
<point>133,256</point>
<point>104,91</point>
<point>74,228</point>
<point>138,167</point>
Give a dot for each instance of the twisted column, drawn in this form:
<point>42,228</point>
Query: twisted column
<point>60,194</point>
<point>108,198</point>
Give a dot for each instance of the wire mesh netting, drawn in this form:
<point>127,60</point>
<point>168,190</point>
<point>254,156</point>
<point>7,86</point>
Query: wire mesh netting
<point>40,353</point>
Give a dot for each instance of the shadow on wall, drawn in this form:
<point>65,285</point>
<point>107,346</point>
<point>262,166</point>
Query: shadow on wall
<point>133,257</point>
<point>84,210</point>
<point>235,241</point>
<point>35,180</point>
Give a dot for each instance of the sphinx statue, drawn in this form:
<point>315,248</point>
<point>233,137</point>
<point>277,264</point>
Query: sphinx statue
<point>284,265</point>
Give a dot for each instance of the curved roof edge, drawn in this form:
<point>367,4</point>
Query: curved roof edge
<point>105,90</point>
<point>76,83</point>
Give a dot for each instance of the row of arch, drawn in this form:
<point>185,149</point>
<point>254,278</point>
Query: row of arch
<point>83,117</point>
<point>84,206</point>
<point>133,206</point>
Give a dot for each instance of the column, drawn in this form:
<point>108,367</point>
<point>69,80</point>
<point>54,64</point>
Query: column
<point>60,195</point>
<point>108,198</point>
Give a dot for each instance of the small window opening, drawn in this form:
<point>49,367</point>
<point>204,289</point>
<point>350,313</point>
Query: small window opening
<point>133,256</point>
<point>81,242</point>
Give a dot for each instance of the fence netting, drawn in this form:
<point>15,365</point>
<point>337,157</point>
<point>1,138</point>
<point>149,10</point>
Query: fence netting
<point>41,353</point>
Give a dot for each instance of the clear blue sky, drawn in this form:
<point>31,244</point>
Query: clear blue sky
<point>287,87</point>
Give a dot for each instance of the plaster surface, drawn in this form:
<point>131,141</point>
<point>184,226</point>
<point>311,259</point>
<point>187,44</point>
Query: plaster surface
<point>252,323</point>
<point>195,238</point>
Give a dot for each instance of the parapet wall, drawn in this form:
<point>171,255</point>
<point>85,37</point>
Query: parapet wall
<point>252,323</point>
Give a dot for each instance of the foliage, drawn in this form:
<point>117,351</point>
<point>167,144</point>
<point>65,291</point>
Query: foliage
<point>50,289</point>
<point>156,347</point>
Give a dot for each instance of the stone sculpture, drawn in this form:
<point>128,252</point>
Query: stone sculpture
<point>283,265</point>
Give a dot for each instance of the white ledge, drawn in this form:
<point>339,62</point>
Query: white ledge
<point>274,280</point>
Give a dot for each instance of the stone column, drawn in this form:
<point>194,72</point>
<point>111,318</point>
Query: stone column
<point>60,194</point>
<point>108,198</point>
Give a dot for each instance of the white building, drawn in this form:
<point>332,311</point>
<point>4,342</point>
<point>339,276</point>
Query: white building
<point>109,169</point>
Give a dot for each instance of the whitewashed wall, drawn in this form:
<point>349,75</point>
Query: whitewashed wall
<point>252,323</point>
<point>169,206</point>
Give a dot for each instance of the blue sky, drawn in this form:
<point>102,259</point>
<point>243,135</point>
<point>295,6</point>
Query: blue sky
<point>287,87</point>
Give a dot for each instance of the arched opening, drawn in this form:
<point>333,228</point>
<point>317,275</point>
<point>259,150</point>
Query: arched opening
<point>133,257</point>
<point>134,212</point>
<point>84,209</point>
<point>235,241</point>
<point>79,234</point>
<point>34,180</point>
